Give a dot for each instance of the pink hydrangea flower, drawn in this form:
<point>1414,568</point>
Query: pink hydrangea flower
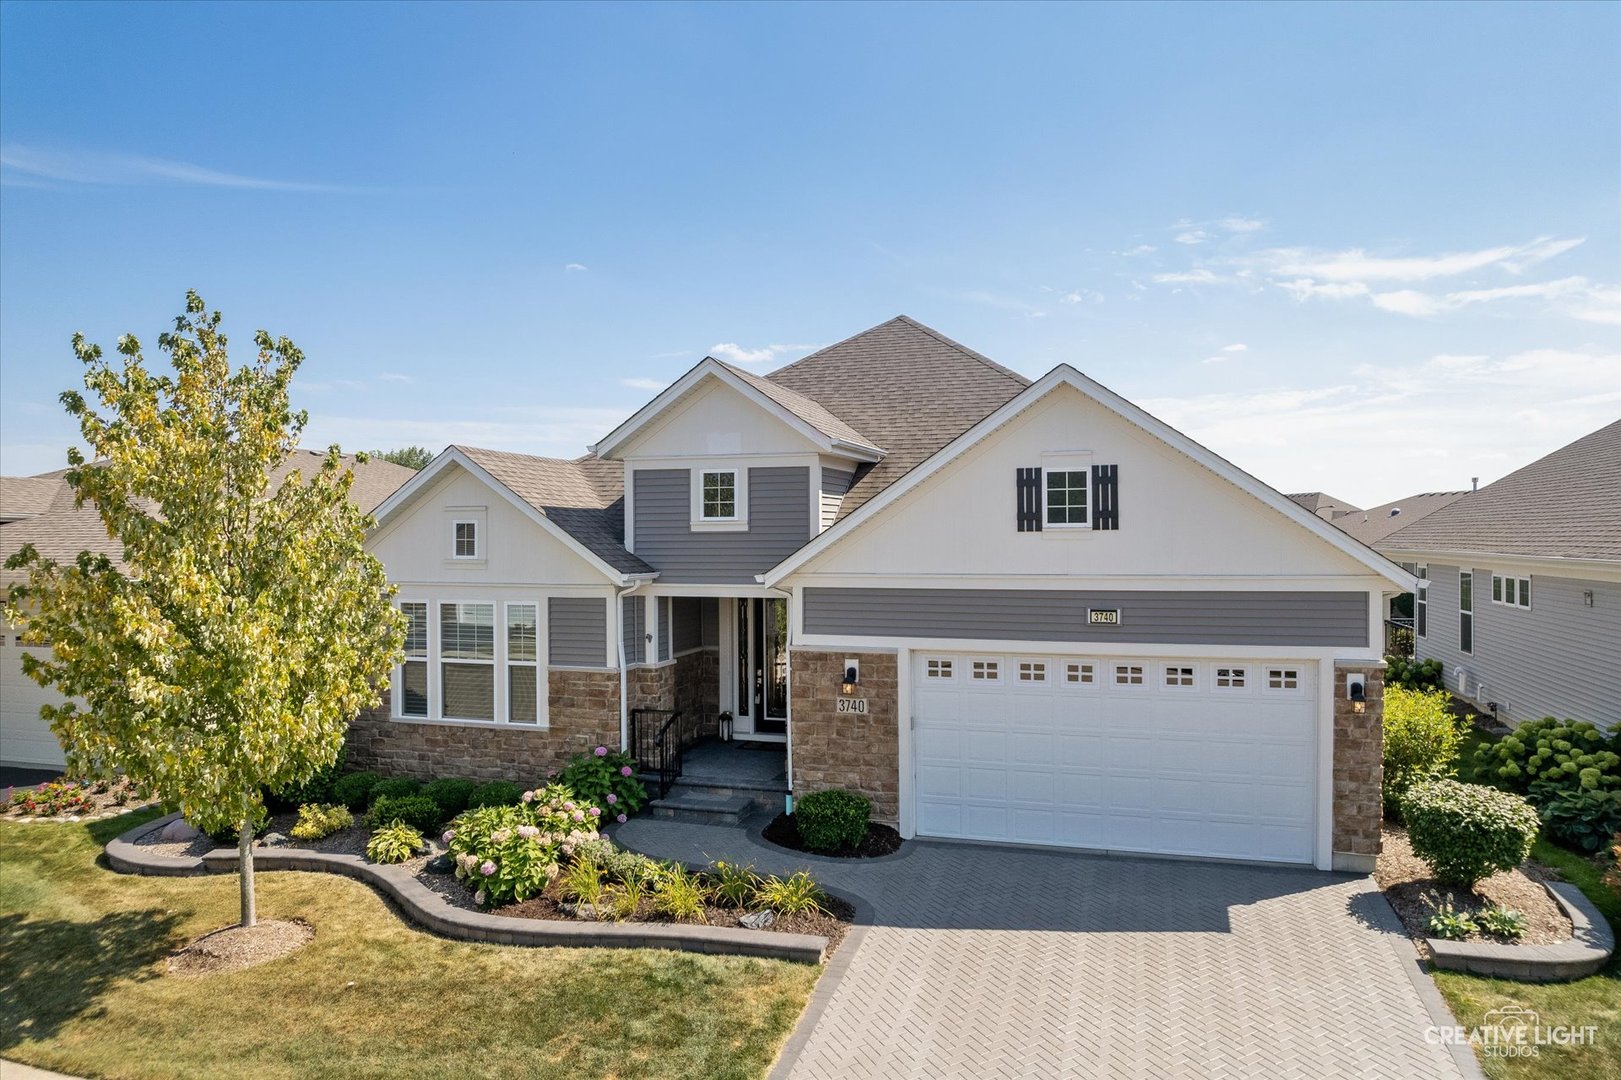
<point>612,798</point>
<point>487,868</point>
<point>621,819</point>
<point>528,832</point>
<point>601,751</point>
<point>529,796</point>
<point>450,834</point>
<point>568,806</point>
<point>595,812</point>
<point>579,815</point>
<point>624,770</point>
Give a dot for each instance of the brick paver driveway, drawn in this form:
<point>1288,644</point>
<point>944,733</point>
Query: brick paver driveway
<point>999,962</point>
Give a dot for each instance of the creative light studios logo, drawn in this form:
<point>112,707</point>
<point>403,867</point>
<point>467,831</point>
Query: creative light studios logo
<point>1512,1031</point>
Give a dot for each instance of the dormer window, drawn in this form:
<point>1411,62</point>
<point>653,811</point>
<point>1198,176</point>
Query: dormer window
<point>719,495</point>
<point>466,540</point>
<point>720,499</point>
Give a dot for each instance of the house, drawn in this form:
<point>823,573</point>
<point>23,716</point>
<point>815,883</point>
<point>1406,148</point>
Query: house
<point>1324,505</point>
<point>1520,586</point>
<point>1374,524</point>
<point>1004,610</point>
<point>39,510</point>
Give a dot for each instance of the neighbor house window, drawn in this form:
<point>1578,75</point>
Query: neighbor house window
<point>1066,498</point>
<point>1511,591</point>
<point>1421,601</point>
<point>1230,678</point>
<point>1466,611</point>
<point>720,495</point>
<point>1283,678</point>
<point>522,670</point>
<point>466,540</point>
<point>1080,674</point>
<point>1128,675</point>
<point>414,671</point>
<point>467,661</point>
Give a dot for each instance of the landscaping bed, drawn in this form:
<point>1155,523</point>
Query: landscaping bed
<point>70,800</point>
<point>879,840</point>
<point>833,922</point>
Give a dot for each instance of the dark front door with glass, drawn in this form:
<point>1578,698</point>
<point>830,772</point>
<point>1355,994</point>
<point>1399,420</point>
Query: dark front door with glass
<point>762,666</point>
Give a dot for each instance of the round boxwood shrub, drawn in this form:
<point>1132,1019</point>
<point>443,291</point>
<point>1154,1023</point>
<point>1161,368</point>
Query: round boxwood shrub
<point>495,793</point>
<point>1467,832</point>
<point>832,820</point>
<point>451,794</point>
<point>354,789</point>
<point>417,811</point>
<point>395,787</point>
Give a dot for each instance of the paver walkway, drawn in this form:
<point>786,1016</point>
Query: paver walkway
<point>982,961</point>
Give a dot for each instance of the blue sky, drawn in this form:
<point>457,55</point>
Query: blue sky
<point>1368,249</point>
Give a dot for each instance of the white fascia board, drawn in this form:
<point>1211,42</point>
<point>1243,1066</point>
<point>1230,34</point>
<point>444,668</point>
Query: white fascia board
<point>407,493</point>
<point>1074,582</point>
<point>709,368</point>
<point>1083,649</point>
<point>1064,375</point>
<point>1591,569</point>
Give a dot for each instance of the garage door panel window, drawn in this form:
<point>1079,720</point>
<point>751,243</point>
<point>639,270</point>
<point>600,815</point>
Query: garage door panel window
<point>1032,671</point>
<point>1279,678</point>
<point>939,668</point>
<point>1232,678</point>
<point>1128,675</point>
<point>985,671</point>
<point>1178,677</point>
<point>1080,674</point>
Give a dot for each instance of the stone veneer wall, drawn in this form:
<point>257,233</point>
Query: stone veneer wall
<point>697,681</point>
<point>1359,742</point>
<point>651,687</point>
<point>846,750</point>
<point>583,713</point>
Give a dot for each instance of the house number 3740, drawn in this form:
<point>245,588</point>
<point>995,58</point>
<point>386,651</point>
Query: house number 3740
<point>852,704</point>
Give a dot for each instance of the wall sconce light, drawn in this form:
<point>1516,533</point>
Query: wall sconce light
<point>1587,598</point>
<point>1357,690</point>
<point>852,678</point>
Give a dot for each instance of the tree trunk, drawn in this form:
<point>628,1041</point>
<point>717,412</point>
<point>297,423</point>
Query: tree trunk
<point>244,848</point>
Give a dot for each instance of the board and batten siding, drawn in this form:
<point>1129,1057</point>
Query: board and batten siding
<point>835,482</point>
<point>1304,619</point>
<point>577,631</point>
<point>779,524</point>
<point>1557,658</point>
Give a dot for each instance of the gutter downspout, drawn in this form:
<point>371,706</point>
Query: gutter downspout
<point>624,675</point>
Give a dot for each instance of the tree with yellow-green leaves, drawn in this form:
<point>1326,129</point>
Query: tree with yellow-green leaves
<point>227,651</point>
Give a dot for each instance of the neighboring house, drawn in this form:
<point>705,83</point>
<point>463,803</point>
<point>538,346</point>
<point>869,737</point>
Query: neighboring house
<point>1520,590</point>
<point>1325,506</point>
<point>1066,623</point>
<point>1373,525</point>
<point>39,510</point>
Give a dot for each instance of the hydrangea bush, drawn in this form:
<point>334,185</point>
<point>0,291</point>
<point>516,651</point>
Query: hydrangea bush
<point>607,780</point>
<point>510,853</point>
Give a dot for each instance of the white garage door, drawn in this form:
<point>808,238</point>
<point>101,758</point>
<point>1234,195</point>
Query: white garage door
<point>1187,757</point>
<point>24,738</point>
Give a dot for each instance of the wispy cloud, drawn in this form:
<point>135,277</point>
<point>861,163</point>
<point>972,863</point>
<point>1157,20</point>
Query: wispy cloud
<point>734,353</point>
<point>395,377</point>
<point>575,268</point>
<point>1201,276</point>
<point>653,385</point>
<point>1191,236</point>
<point>1307,289</point>
<point>27,166</point>
<point>1227,353</point>
<point>1201,232</point>
<point>1357,265</point>
<point>1241,224</point>
<point>1574,296</point>
<point>1005,303</point>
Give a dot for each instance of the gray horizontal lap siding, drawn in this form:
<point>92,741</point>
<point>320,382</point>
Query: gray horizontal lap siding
<point>835,482</point>
<point>1557,658</point>
<point>577,631</point>
<point>1306,619</point>
<point>634,628</point>
<point>779,524</point>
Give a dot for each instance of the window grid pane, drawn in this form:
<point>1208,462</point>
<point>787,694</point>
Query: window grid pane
<point>521,632</point>
<point>416,630</point>
<point>720,495</point>
<point>1066,497</point>
<point>469,691</point>
<point>466,539</point>
<point>467,631</point>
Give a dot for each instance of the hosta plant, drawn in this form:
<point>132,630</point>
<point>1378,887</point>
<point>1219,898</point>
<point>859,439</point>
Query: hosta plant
<point>1451,924</point>
<point>317,820</point>
<point>394,843</point>
<point>1502,922</point>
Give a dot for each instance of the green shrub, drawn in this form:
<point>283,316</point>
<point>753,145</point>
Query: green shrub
<point>1502,922</point>
<point>607,780</point>
<point>317,820</point>
<point>417,811</point>
<point>1412,674</point>
<point>1559,754</point>
<point>395,787</point>
<point>734,886</point>
<point>495,793</point>
<point>395,842</point>
<point>451,795</point>
<point>1467,832</point>
<point>354,789</point>
<point>508,853</point>
<point>681,895</point>
<point>797,894</point>
<point>1401,642</point>
<point>1582,819</point>
<point>1422,738</point>
<point>317,789</point>
<point>832,820</point>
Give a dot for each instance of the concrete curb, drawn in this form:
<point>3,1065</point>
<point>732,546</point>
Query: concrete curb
<point>428,909</point>
<point>1590,947</point>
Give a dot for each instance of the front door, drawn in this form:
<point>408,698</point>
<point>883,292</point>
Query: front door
<point>760,666</point>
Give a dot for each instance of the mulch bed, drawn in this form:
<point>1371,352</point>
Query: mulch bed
<point>86,801</point>
<point>1414,894</point>
<point>833,925</point>
<point>235,948</point>
<point>880,840</point>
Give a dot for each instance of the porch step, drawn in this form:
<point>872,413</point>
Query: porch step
<point>685,804</point>
<point>767,796</point>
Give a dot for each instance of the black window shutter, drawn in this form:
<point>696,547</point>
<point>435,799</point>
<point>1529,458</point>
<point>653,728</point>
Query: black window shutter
<point>1028,485</point>
<point>1105,497</point>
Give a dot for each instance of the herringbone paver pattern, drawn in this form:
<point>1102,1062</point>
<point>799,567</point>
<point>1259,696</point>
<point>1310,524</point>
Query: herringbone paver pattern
<point>997,962</point>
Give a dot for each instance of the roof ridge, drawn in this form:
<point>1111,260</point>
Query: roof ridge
<point>905,320</point>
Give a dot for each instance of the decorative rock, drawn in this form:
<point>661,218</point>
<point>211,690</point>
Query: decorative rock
<point>758,920</point>
<point>580,911</point>
<point>179,831</point>
<point>441,864</point>
<point>273,839</point>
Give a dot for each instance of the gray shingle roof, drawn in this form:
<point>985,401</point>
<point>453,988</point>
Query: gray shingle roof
<point>1377,522</point>
<point>908,388</point>
<point>1566,505</point>
<point>583,496</point>
<point>1318,501</point>
<point>26,496</point>
<point>812,412</point>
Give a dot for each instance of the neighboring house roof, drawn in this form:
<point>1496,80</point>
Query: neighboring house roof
<point>1563,506</point>
<point>906,386</point>
<point>26,496</point>
<point>1377,522</point>
<point>1319,501</point>
<point>63,530</point>
<point>583,496</point>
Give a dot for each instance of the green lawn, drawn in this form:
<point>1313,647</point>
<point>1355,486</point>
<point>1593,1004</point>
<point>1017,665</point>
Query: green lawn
<point>84,986</point>
<point>1595,1000</point>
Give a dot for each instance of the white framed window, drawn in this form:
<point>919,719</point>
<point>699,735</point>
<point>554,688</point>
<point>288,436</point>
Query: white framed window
<point>1178,675</point>
<point>1466,611</point>
<point>1080,673</point>
<point>938,667</point>
<point>467,661</point>
<point>1283,678</point>
<point>523,667</point>
<point>1511,591</point>
<point>1231,678</point>
<point>1128,675</point>
<point>985,670</point>
<point>1032,671</point>
<point>411,679</point>
<point>464,540</point>
<point>720,498</point>
<point>1066,500</point>
<point>1421,602</point>
<point>466,534</point>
